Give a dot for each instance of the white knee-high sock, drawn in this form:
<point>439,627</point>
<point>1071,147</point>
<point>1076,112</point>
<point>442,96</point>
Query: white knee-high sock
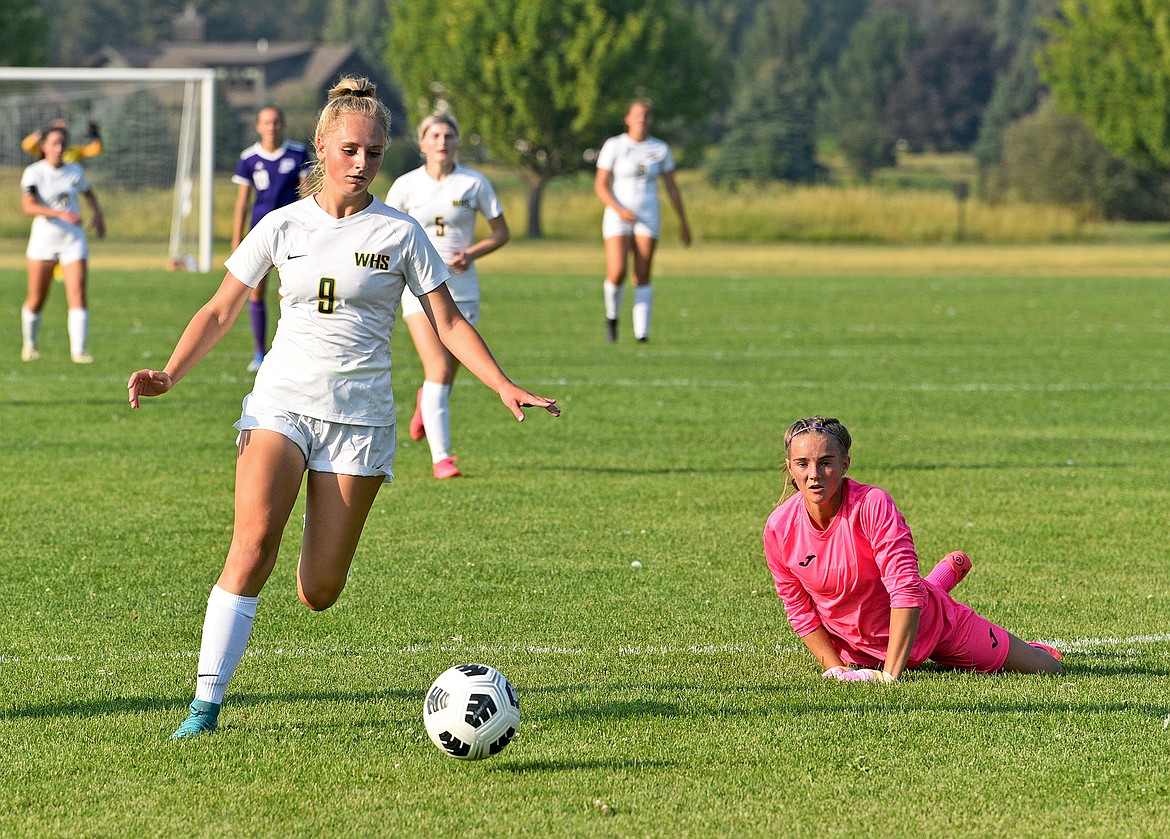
<point>643,302</point>
<point>78,326</point>
<point>30,327</point>
<point>436,411</point>
<point>226,630</point>
<point>613,299</point>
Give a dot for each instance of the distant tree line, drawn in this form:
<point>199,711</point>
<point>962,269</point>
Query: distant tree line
<point>1058,100</point>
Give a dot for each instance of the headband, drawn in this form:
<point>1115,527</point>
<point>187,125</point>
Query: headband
<point>822,428</point>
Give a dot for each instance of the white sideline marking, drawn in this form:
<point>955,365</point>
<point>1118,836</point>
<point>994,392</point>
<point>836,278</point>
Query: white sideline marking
<point>916,387</point>
<point>1087,645</point>
<point>1070,645</point>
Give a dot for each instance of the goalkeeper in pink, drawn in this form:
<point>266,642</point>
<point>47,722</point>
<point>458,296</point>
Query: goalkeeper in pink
<point>845,567</point>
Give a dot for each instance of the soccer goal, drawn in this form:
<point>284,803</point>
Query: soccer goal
<point>154,173</point>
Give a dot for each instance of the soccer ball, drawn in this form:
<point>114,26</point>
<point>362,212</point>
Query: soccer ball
<point>471,711</point>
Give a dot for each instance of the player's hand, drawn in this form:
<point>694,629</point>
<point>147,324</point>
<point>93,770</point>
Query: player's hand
<point>148,383</point>
<point>685,234</point>
<point>68,217</point>
<point>517,397</point>
<point>837,672</point>
<point>868,675</point>
<point>458,262</point>
<point>99,226</point>
<point>627,215</point>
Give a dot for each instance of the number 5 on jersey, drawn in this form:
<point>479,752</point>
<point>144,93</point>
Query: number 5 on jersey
<point>326,298</point>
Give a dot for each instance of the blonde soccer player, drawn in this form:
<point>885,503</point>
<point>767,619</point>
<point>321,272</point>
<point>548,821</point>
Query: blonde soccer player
<point>628,168</point>
<point>846,569</point>
<point>51,189</point>
<point>322,403</point>
<point>445,197</point>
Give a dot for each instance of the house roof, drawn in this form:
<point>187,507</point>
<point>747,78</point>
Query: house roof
<point>284,66</point>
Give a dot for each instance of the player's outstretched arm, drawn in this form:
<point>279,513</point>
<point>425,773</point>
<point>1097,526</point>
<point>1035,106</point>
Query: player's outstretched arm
<point>461,338</point>
<point>204,331</point>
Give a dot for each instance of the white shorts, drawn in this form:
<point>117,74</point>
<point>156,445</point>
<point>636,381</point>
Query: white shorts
<point>55,241</point>
<point>411,306</point>
<point>645,226</point>
<point>336,447</point>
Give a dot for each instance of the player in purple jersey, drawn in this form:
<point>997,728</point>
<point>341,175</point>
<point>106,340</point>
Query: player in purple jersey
<point>274,167</point>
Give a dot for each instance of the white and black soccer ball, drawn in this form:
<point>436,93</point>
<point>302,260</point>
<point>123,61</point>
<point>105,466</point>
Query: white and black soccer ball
<point>471,711</point>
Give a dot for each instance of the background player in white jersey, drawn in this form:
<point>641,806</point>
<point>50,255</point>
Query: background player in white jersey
<point>628,168</point>
<point>50,195</point>
<point>322,402</point>
<point>445,198</point>
<point>275,168</point>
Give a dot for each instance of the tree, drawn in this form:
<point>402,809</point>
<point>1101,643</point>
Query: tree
<point>1108,61</point>
<point>772,122</point>
<point>544,81</point>
<point>935,15</point>
<point>24,34</point>
<point>277,20</point>
<point>859,85</point>
<point>139,122</point>
<point>82,28</point>
<point>1017,85</point>
<point>1051,157</point>
<point>948,82</point>
<point>358,22</point>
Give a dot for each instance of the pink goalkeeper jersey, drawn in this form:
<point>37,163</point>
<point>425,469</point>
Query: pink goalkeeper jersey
<point>848,577</point>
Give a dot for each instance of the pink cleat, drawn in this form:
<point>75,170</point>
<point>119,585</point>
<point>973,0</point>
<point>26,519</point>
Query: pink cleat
<point>950,571</point>
<point>960,562</point>
<point>1052,651</point>
<point>446,468</point>
<point>417,430</point>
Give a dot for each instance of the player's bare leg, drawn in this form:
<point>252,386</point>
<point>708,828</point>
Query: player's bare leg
<point>40,278</point>
<point>336,508</point>
<point>1026,658</point>
<point>268,478</point>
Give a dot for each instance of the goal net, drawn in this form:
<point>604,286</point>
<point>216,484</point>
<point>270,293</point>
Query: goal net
<point>154,172</point>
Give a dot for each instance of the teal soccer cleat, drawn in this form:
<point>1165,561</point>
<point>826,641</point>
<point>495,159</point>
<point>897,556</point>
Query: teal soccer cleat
<point>203,719</point>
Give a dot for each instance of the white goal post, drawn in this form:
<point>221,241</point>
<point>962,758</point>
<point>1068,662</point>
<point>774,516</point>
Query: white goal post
<point>196,132</point>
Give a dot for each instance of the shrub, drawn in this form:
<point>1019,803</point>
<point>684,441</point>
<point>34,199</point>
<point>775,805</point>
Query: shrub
<point>1051,157</point>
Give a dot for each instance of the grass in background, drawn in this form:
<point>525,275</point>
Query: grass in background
<point>1017,415</point>
<point>785,213</point>
<point>749,213</point>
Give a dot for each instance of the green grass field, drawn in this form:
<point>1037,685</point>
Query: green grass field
<point>1013,401</point>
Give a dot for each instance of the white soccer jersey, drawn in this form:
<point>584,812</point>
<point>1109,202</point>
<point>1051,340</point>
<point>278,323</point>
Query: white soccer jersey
<point>340,283</point>
<point>446,209</point>
<point>636,167</point>
<point>58,188</point>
